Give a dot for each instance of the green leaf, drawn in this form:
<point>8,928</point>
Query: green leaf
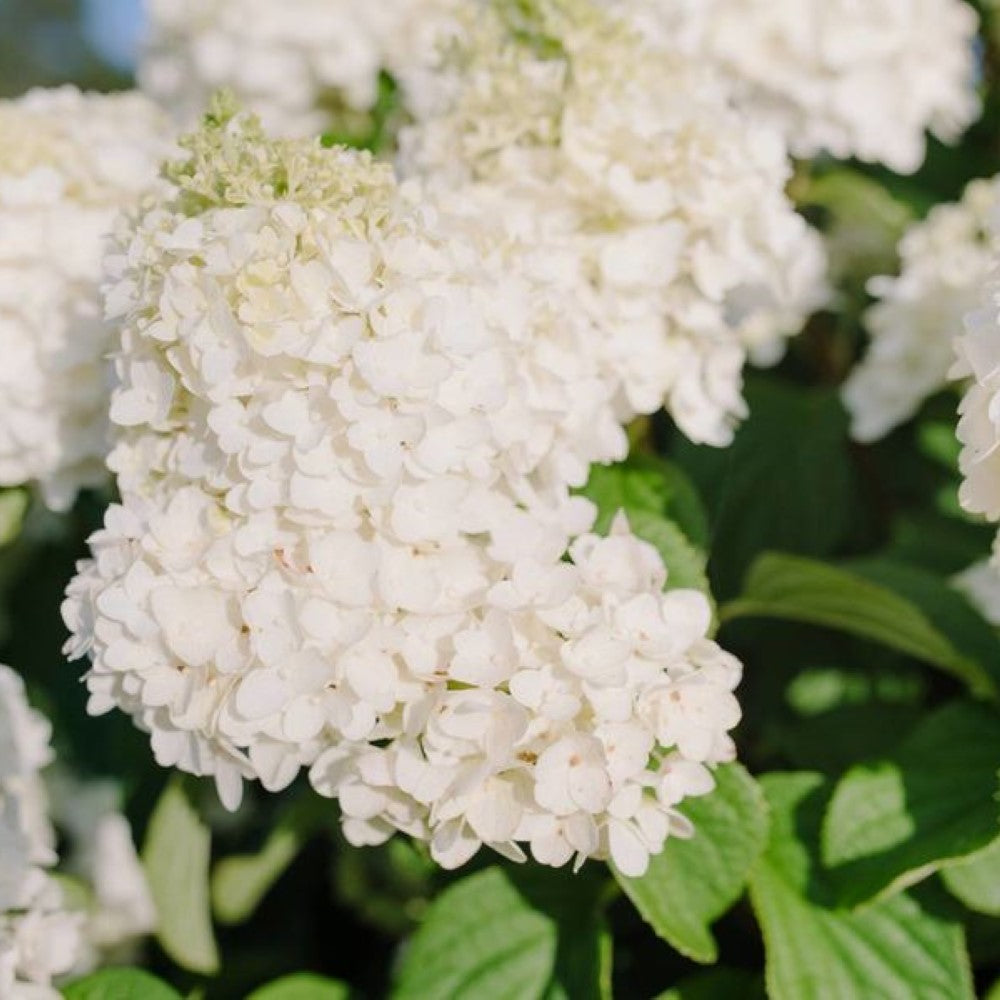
<point>649,491</point>
<point>717,984</point>
<point>584,947</point>
<point>786,483</point>
<point>937,440</point>
<point>13,506</point>
<point>388,887</point>
<point>814,691</point>
<point>895,821</point>
<point>176,856</point>
<point>947,610</point>
<point>497,935</point>
<point>685,564</point>
<point>975,880</point>
<point>240,882</point>
<point>792,588</point>
<point>941,544</point>
<point>865,222</point>
<point>839,715</point>
<point>650,484</point>
<point>901,948</point>
<point>302,986</point>
<point>120,984</point>
<point>835,740</point>
<point>693,882</point>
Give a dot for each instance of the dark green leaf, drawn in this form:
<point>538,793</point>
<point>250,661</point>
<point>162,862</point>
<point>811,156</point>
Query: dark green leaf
<point>717,984</point>
<point>787,482</point>
<point>944,607</point>
<point>302,986</point>
<point>498,935</point>
<point>803,590</point>
<point>120,984</point>
<point>895,821</point>
<point>693,882</point>
<point>896,949</point>
<point>239,883</point>
<point>937,543</point>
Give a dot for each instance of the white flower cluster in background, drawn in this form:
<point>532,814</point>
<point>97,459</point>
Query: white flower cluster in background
<point>345,506</point>
<point>660,206</point>
<point>69,163</point>
<point>978,350</point>
<point>302,65</point>
<point>43,937</point>
<point>99,852</point>
<point>853,78</point>
<point>980,584</point>
<point>945,261</point>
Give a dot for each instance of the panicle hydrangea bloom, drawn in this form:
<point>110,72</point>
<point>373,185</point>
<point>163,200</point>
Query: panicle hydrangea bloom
<point>303,65</point>
<point>41,937</point>
<point>344,513</point>
<point>854,78</point>
<point>660,207</point>
<point>944,262</point>
<point>69,162</point>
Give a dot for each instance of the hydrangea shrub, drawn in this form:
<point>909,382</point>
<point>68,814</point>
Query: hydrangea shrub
<point>498,499</point>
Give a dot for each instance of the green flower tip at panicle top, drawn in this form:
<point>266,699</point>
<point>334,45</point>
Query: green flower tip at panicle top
<point>232,162</point>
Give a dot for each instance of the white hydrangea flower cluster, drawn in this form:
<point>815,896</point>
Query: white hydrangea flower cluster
<point>41,936</point>
<point>40,939</point>
<point>344,513</point>
<point>302,65</point>
<point>69,162</point>
<point>945,261</point>
<point>978,350</point>
<point>853,78</point>
<point>660,206</point>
